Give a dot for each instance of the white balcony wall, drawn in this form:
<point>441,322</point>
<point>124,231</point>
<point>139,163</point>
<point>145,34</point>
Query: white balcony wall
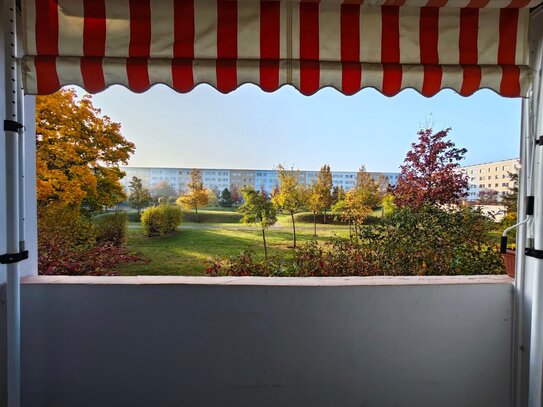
<point>243,342</point>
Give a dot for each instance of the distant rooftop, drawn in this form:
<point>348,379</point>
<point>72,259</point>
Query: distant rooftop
<point>491,162</point>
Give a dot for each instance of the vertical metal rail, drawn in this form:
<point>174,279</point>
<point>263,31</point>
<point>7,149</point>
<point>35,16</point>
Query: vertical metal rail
<point>518,337</point>
<point>535,381</point>
<point>12,134</point>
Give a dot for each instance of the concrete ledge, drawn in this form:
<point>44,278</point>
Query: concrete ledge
<point>271,281</point>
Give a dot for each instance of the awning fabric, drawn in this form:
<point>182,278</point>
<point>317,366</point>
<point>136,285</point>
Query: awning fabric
<point>389,45</point>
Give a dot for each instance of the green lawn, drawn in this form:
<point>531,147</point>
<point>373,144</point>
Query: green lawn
<point>185,252</point>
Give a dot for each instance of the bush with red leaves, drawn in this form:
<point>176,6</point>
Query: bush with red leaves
<point>68,245</point>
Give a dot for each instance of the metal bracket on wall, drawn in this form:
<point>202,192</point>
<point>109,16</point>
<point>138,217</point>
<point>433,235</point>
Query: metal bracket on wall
<point>538,254</point>
<point>10,258</point>
<point>11,125</point>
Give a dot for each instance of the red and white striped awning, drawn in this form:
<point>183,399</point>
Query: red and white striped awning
<point>389,45</point>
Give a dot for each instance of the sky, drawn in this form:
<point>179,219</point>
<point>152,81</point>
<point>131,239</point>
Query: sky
<point>250,128</point>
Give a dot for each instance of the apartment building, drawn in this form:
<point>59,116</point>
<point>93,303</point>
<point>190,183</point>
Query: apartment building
<point>219,179</point>
<point>495,175</point>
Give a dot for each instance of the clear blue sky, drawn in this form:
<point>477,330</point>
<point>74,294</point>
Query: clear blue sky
<point>249,128</point>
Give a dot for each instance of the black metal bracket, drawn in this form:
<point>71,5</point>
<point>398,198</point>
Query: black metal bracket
<point>11,125</point>
<point>538,254</point>
<point>539,141</point>
<point>530,201</point>
<point>10,258</point>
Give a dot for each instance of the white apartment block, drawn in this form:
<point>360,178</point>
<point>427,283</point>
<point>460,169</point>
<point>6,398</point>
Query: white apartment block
<point>219,179</point>
<point>490,176</point>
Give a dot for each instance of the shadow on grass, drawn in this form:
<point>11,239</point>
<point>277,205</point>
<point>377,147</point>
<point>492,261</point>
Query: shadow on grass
<point>185,251</point>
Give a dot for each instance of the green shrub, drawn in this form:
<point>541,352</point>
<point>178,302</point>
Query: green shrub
<point>171,218</point>
<point>65,227</point>
<point>433,241</point>
<point>428,241</point>
<point>160,220</point>
<point>151,220</point>
<point>112,228</point>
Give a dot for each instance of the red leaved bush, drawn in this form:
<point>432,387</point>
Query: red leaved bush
<point>97,260</point>
<point>69,243</point>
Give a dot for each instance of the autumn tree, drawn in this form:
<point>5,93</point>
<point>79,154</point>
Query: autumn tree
<point>324,188</point>
<point>197,196</point>
<point>369,190</point>
<point>338,194</point>
<point>290,195</point>
<point>78,153</point>
<point>430,174</point>
<point>487,197</point>
<point>258,210</point>
<point>354,208</point>
<point>213,199</point>
<point>389,207</point>
<point>236,196</point>
<point>510,198</point>
<point>163,189</point>
<point>315,203</point>
<point>358,207</point>
<point>139,196</point>
<point>226,198</point>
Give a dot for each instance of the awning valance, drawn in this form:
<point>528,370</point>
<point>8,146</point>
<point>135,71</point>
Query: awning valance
<point>389,45</point>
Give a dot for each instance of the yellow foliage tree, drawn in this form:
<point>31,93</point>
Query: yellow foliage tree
<point>290,196</point>
<point>325,186</point>
<point>78,153</point>
<point>316,202</point>
<point>197,196</point>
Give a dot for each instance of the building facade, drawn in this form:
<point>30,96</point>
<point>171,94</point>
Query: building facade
<point>492,176</point>
<point>219,179</point>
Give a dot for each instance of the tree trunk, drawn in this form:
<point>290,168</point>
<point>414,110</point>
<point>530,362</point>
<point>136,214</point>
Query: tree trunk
<point>265,248</point>
<point>197,220</point>
<point>315,224</point>
<point>324,221</point>
<point>350,229</point>
<point>293,228</point>
<point>139,210</point>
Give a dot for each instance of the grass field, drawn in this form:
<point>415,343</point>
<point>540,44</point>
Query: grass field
<point>185,252</point>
